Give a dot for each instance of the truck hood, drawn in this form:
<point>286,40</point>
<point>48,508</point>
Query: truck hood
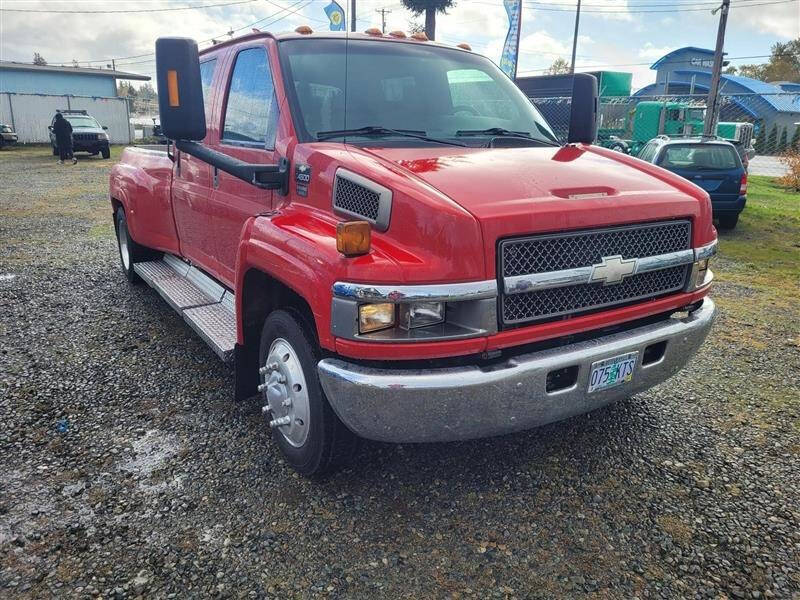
<point>518,191</point>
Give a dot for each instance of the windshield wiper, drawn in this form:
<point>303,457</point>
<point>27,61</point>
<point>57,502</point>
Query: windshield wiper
<point>500,132</point>
<point>378,131</point>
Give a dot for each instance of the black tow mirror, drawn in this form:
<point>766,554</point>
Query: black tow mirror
<point>180,98</point>
<point>583,113</point>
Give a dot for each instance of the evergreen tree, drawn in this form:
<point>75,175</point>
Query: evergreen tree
<point>783,143</point>
<point>795,143</point>
<point>761,139</point>
<point>772,141</point>
<point>430,8</point>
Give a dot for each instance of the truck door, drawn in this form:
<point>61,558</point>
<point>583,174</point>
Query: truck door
<point>248,128</point>
<point>191,190</point>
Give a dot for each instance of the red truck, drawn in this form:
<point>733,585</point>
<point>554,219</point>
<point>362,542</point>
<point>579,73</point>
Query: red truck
<point>384,237</point>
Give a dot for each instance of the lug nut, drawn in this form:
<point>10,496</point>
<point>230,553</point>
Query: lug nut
<point>283,421</point>
<point>287,402</point>
<point>262,387</point>
<point>265,409</point>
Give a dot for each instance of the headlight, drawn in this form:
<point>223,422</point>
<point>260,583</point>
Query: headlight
<point>420,314</point>
<point>374,317</point>
<point>702,275</point>
<point>102,136</point>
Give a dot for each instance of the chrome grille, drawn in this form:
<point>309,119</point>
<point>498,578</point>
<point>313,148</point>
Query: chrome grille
<point>84,137</point>
<point>547,253</point>
<point>555,302</point>
<point>356,199</point>
<point>541,254</point>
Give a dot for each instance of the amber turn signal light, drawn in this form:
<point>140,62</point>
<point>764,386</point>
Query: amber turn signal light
<point>172,88</point>
<point>353,238</point>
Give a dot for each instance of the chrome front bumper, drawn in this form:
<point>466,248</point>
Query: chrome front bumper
<point>459,403</point>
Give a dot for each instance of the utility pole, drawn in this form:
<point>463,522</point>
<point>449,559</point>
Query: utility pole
<point>383,12</point>
<point>575,37</point>
<point>713,93</point>
<point>352,15</point>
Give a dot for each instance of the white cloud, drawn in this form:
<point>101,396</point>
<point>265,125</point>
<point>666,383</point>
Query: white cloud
<point>614,10</point>
<point>782,20</point>
<point>651,52</point>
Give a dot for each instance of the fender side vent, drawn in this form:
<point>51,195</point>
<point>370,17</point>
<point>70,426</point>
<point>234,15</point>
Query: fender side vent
<point>358,197</point>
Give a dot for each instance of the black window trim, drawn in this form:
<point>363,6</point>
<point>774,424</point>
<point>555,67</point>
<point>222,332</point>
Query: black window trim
<point>242,143</point>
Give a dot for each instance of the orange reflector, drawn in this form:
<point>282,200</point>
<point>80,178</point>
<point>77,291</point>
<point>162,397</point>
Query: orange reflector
<point>465,46</point>
<point>373,31</point>
<point>172,88</point>
<point>398,34</point>
<point>353,237</point>
<point>304,30</point>
<point>419,36</point>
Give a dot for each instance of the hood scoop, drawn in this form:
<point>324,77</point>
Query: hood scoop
<point>584,193</point>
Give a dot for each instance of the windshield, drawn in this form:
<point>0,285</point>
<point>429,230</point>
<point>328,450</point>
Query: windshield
<point>402,86</point>
<point>698,157</point>
<point>81,121</point>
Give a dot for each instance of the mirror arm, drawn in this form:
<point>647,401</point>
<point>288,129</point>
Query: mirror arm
<point>268,177</point>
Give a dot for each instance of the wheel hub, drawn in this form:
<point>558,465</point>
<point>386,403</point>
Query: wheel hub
<point>284,386</point>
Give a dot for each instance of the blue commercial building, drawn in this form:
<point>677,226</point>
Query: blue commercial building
<point>24,78</point>
<point>688,71</point>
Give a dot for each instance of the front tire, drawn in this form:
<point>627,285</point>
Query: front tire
<point>106,152</point>
<point>55,150</point>
<point>129,251</point>
<point>311,437</point>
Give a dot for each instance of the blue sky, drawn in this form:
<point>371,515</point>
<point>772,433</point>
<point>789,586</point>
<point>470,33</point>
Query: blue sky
<point>624,39</point>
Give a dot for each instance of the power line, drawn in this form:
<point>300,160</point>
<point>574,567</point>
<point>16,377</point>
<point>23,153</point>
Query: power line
<point>123,11</point>
<point>249,25</point>
<point>667,10</point>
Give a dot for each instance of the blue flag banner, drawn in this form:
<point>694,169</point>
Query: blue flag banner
<point>508,60</point>
<point>336,15</point>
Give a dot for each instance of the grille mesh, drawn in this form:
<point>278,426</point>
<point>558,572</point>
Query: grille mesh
<point>357,199</point>
<point>568,251</point>
<point>541,254</point>
<point>84,137</point>
<point>578,298</point>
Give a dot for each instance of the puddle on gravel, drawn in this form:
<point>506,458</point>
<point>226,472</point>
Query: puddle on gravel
<point>151,453</point>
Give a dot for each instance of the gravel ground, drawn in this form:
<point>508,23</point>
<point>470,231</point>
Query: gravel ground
<point>129,472</point>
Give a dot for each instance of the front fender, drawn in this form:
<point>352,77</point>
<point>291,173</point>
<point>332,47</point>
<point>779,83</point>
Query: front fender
<point>297,247</point>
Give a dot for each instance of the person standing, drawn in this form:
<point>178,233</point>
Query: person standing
<point>63,131</point>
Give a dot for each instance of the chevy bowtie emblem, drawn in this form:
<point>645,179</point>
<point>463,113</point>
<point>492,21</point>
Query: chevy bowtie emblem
<point>612,270</point>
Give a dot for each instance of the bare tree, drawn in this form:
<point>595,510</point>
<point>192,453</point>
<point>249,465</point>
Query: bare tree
<point>38,59</point>
<point>559,67</point>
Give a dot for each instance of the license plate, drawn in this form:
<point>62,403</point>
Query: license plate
<point>612,372</point>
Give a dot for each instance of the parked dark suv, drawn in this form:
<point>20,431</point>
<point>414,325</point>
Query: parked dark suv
<point>7,135</point>
<point>87,134</point>
<point>711,163</point>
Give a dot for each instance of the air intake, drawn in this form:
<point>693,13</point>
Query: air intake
<point>358,197</point>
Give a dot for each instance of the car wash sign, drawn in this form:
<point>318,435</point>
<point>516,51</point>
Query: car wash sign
<point>508,60</point>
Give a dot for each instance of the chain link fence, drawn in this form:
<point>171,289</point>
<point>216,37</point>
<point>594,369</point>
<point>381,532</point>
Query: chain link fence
<point>763,126</point>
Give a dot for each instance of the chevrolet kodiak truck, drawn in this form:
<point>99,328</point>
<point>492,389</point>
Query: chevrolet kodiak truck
<point>384,238</point>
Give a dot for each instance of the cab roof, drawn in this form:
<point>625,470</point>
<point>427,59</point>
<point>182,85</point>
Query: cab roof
<point>293,35</point>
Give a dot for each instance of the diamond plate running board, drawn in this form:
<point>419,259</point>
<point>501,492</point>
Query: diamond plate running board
<point>204,304</point>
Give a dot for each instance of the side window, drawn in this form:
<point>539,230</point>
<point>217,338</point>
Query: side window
<point>251,114</point>
<point>206,76</point>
